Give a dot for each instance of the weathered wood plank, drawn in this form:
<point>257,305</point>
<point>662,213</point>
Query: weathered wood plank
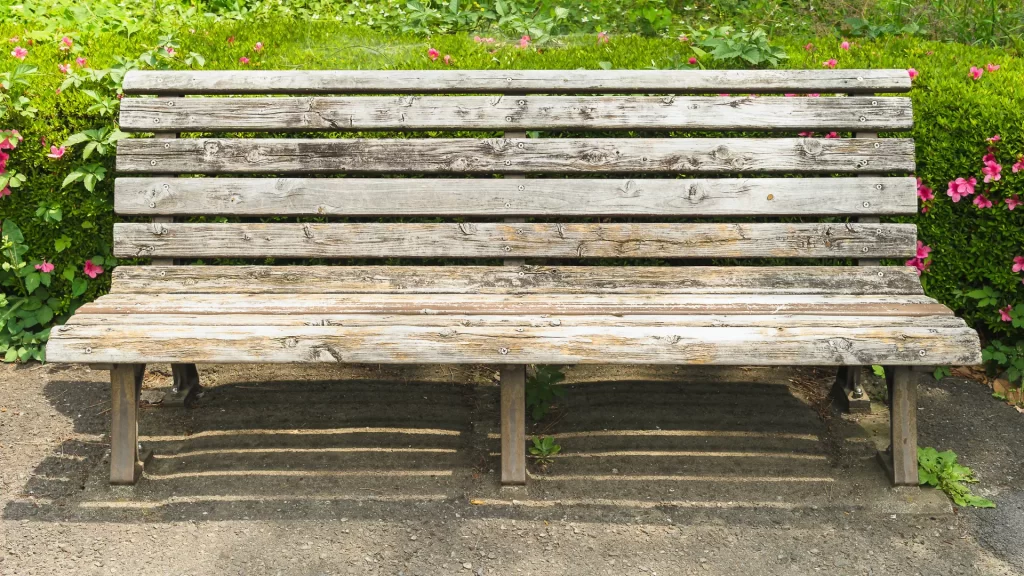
<point>497,304</point>
<point>305,114</point>
<point>497,240</point>
<point>510,197</point>
<point>513,424</point>
<point>517,280</point>
<point>124,452</point>
<point>512,81</point>
<point>456,321</point>
<point>524,345</point>
<point>528,155</point>
<point>903,425</point>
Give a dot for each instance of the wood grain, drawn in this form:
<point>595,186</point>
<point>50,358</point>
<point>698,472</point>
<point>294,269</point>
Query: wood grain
<point>903,425</point>
<point>124,429</point>
<point>513,424</point>
<point>505,240</point>
<point>512,81</point>
<point>509,197</point>
<point>607,344</point>
<point>315,113</point>
<point>528,155</point>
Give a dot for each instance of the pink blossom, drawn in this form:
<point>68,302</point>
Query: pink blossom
<point>992,170</point>
<point>14,39</point>
<point>1004,313</point>
<point>845,45</point>
<point>976,72</point>
<point>169,50</point>
<point>433,54</point>
<point>806,134</point>
<point>1018,165</point>
<point>912,72</point>
<point>1018,263</point>
<point>81,62</point>
<point>1012,202</point>
<point>809,47</point>
<point>524,41</point>
<point>992,67</point>
<point>982,202</point>
<point>55,152</point>
<point>995,138</point>
<point>45,267</point>
<point>790,95</point>
<point>480,40</point>
<point>66,44</point>
<point>602,37</point>
<point>684,38</point>
<point>243,60</point>
<point>924,192</point>
<point>692,60</point>
<point>231,39</point>
<point>922,250</point>
<point>91,270</point>
<point>830,63</point>
<point>961,188</point>
<point>448,59</point>
<point>814,95</point>
<point>257,47</point>
<point>832,135</point>
<point>924,209</point>
<point>5,192</point>
<point>724,94</point>
<point>918,264</point>
<point>64,68</point>
<point>19,53</point>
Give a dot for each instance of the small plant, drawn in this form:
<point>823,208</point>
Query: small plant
<point>940,470</point>
<point>878,370</point>
<point>726,45</point>
<point>942,372</point>
<point>26,306</point>
<point>541,389</point>
<point>543,449</point>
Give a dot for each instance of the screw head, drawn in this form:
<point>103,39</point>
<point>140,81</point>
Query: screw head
<point>503,351</point>
<point>878,186</point>
<point>152,162</point>
<point>878,144</point>
<point>866,204</point>
<point>508,118</point>
<point>508,162</point>
<point>509,248</point>
<point>921,352</point>
<point>521,187</point>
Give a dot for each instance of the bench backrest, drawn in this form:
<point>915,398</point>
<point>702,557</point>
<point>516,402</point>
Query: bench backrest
<point>585,197</point>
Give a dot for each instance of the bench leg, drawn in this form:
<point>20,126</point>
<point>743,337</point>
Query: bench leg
<point>513,424</point>
<point>848,391</point>
<point>125,385</point>
<point>900,459</point>
<point>187,390</point>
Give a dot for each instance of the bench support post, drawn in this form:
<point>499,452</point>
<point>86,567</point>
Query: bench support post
<point>900,459</point>
<point>849,393</point>
<point>125,386</point>
<point>186,390</point>
<point>513,424</point>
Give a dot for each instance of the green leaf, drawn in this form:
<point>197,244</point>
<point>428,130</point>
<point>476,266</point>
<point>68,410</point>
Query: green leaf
<point>68,274</point>
<point>61,244</point>
<point>44,315</point>
<point>78,287</point>
<point>11,230</point>
<point>32,282</point>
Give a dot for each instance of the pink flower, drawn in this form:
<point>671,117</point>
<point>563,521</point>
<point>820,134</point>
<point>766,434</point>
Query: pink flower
<point>982,202</point>
<point>1012,202</point>
<point>684,38</point>
<point>692,60</point>
<point>1018,263</point>
<point>258,47</point>
<point>992,67</point>
<point>66,44</point>
<point>832,135</point>
<point>1018,165</point>
<point>976,72</point>
<point>922,250</point>
<point>961,188</point>
<point>814,95</point>
<point>5,192</point>
<point>477,39</point>
<point>243,60</point>
<point>830,63</point>
<point>19,53</point>
<point>14,39</point>
<point>64,68</point>
<point>992,171</point>
<point>231,39</point>
<point>924,192</point>
<point>524,41</point>
<point>169,50</point>
<point>790,95</point>
<point>845,45</point>
<point>919,264</point>
<point>994,139</point>
<point>809,47</point>
<point>45,267</point>
<point>81,62</point>
<point>602,37</point>
<point>1004,313</point>
<point>912,72</point>
<point>724,94</point>
<point>91,270</point>
<point>433,54</point>
<point>448,59</point>
<point>55,152</point>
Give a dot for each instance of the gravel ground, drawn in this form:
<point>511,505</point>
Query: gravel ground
<point>362,470</point>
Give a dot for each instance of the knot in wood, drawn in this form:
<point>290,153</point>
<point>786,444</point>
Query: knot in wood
<point>812,146</point>
<point>211,147</point>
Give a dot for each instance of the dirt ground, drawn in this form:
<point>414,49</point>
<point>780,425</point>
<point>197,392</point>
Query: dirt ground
<point>364,470</point>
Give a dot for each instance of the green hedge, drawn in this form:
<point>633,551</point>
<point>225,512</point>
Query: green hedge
<point>972,248</point>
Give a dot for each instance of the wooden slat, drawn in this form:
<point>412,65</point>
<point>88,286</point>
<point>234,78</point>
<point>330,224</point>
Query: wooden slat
<point>548,345</point>
<point>529,155</point>
<point>508,197</point>
<point>513,424</point>
<point>512,81</point>
<point>456,321</point>
<point>492,304</point>
<point>498,240</point>
<point>125,380</point>
<point>518,280</point>
<point>515,113</point>
<point>903,425</point>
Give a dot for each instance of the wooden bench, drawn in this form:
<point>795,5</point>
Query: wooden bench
<point>560,261</point>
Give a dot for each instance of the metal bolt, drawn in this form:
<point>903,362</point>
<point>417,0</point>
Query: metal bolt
<point>878,144</point>
<point>866,204</point>
<point>880,274</point>
<point>88,350</point>
<point>508,79</point>
<point>521,273</point>
<point>864,249</point>
<point>878,186</point>
<point>163,273</point>
<point>508,162</point>
<point>521,187</point>
<point>152,204</point>
<point>166,146</point>
<point>152,162</point>
<point>874,102</point>
<point>521,145</point>
<point>503,351</point>
<point>771,196</point>
<point>508,118</point>
<point>509,248</point>
<point>921,352</point>
<point>167,186</point>
<point>508,204</point>
<point>520,231</point>
<point>522,102</point>
<point>156,120</point>
<point>860,78</point>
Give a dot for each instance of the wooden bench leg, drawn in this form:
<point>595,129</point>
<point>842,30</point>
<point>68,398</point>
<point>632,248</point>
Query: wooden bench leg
<point>848,392</point>
<point>900,459</point>
<point>125,385</point>
<point>513,424</point>
<point>186,390</point>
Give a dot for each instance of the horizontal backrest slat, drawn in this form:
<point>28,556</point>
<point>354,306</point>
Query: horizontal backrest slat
<point>508,197</point>
<point>525,240</point>
<point>515,113</point>
<point>513,81</point>
<point>496,155</point>
<point>515,279</point>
